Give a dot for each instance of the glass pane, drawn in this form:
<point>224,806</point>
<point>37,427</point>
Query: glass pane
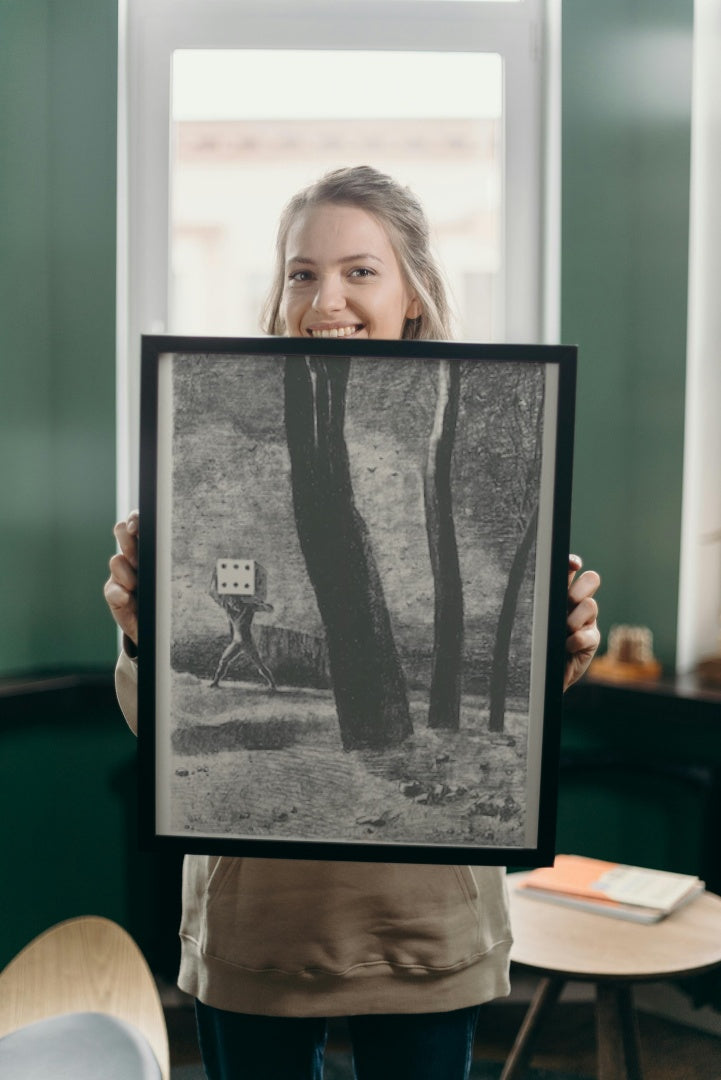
<point>250,128</point>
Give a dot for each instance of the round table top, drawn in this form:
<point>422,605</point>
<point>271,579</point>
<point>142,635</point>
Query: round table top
<point>559,940</point>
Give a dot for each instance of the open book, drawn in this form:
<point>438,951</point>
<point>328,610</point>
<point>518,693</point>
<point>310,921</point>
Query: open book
<point>607,888</point>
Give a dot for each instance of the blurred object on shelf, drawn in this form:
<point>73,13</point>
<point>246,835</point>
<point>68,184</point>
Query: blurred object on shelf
<point>708,670</point>
<point>629,656</point>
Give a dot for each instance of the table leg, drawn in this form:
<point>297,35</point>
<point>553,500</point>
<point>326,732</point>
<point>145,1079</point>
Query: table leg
<point>545,997</point>
<point>617,1033</point>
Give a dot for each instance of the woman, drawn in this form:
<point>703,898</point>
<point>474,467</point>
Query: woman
<point>271,948</point>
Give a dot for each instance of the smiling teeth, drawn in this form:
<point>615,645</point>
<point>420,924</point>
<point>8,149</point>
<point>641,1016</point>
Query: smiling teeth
<point>340,331</point>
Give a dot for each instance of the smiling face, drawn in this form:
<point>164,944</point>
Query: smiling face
<point>342,277</point>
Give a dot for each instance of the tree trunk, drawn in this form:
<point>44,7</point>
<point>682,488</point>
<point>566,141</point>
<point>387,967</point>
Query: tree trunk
<point>444,710</point>
<point>368,681</point>
<point>501,649</point>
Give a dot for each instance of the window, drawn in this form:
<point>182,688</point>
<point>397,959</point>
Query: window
<point>227,107</point>
<point>235,161</point>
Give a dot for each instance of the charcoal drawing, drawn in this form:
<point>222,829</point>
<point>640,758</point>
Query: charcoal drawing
<point>352,584</point>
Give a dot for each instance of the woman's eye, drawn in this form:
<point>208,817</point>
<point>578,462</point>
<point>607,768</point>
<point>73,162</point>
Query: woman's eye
<point>300,276</point>
<point>362,272</point>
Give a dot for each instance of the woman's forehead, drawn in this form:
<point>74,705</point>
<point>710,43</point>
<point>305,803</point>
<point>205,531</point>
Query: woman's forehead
<point>331,230</point>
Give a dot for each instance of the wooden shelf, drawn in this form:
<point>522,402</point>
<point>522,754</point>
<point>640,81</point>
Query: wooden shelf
<point>678,698</point>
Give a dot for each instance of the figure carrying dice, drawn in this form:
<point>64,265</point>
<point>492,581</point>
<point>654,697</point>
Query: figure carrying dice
<point>239,587</point>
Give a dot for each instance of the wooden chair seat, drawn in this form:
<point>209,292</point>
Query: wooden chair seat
<point>84,965</point>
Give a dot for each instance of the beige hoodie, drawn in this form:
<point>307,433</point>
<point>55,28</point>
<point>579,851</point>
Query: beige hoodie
<point>284,937</point>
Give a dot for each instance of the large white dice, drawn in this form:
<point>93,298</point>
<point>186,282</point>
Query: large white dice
<point>241,577</point>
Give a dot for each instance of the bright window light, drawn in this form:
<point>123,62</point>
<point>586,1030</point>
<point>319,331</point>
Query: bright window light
<point>223,84</point>
<point>238,155</point>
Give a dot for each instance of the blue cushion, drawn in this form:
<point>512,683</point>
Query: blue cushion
<point>78,1046</point>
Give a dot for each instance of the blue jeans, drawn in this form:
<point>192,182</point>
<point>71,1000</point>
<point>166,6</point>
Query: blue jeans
<point>415,1046</point>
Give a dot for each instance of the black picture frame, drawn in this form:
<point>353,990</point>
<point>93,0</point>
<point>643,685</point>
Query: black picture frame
<point>398,696</point>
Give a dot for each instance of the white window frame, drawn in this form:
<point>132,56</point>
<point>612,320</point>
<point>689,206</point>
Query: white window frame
<point>699,598</point>
<point>526,34</point>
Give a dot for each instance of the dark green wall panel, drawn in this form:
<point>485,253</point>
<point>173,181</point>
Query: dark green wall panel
<point>26,483</point>
<point>68,846</point>
<point>82,272</point>
<point>626,145</point>
<point>641,777</point>
<point>68,800</point>
<point>58,77</point>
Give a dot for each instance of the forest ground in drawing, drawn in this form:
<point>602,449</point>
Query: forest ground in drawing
<point>271,766</point>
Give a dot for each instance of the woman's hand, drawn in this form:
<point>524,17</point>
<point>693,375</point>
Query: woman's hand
<point>583,636</point>
<point>121,587</point>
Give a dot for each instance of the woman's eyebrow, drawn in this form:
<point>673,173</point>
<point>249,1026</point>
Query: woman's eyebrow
<point>361,257</point>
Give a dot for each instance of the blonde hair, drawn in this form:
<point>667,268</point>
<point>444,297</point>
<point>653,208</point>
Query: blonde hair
<point>403,217</point>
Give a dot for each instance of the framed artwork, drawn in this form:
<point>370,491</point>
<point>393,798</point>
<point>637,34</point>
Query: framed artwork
<point>352,597</point>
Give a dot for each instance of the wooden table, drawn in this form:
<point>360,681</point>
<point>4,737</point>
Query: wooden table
<point>563,944</point>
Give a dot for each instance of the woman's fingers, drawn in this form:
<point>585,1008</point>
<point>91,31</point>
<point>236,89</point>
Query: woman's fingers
<point>584,612</point>
<point>575,562</point>
<point>582,633</point>
<point>121,587</point>
<point>126,534</point>
<point>583,587</point>
<point>123,607</point>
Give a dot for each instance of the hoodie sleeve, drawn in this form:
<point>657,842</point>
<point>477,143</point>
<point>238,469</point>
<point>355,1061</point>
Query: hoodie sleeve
<point>126,688</point>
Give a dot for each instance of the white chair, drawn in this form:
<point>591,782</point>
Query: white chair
<point>80,1002</point>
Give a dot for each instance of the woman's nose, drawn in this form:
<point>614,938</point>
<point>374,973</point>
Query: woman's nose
<point>329,296</point>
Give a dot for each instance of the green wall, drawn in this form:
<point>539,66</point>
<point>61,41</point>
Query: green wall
<point>58,72</point>
<point>626,145</point>
<point>68,801</point>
